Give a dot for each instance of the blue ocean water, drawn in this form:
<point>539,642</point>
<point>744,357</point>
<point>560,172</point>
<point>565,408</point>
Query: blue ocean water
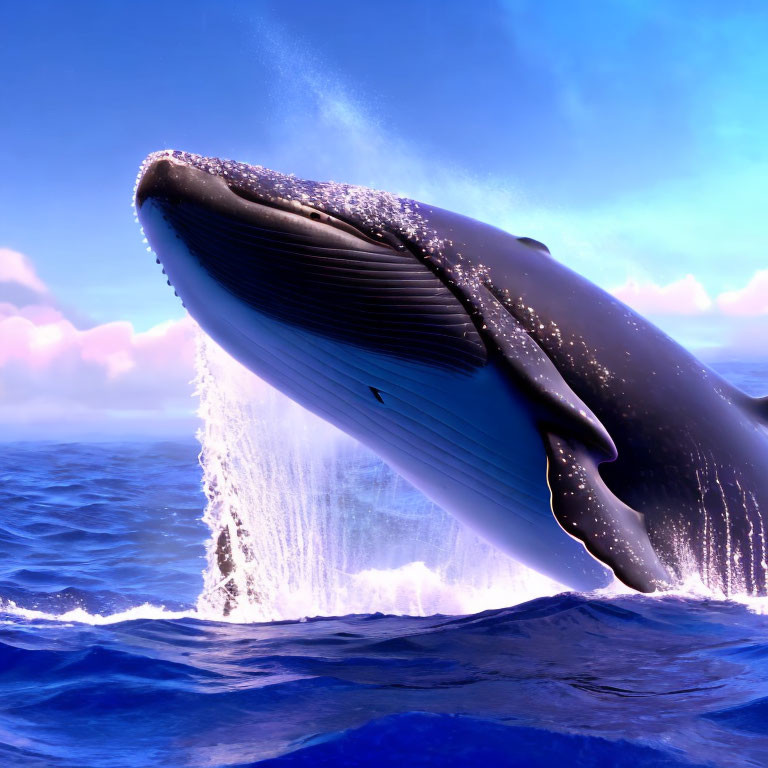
<point>105,663</point>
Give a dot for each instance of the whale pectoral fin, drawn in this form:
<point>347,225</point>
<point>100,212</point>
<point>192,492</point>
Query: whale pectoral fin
<point>576,441</point>
<point>587,510</point>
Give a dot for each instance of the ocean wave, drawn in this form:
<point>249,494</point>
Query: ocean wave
<point>664,681</point>
<point>406,589</point>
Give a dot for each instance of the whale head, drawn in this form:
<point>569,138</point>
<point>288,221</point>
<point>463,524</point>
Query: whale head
<point>343,262</point>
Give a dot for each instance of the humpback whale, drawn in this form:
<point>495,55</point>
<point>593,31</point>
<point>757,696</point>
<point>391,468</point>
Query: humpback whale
<point>549,417</point>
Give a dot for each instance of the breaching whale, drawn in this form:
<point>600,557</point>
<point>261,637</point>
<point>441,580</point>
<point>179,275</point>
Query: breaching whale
<point>553,420</point>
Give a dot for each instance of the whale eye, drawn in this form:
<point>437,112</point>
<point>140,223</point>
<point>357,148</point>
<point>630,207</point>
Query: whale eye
<point>377,394</point>
<point>315,216</point>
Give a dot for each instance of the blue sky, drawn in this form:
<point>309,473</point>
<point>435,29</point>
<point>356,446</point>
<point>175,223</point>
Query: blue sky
<point>628,136</point>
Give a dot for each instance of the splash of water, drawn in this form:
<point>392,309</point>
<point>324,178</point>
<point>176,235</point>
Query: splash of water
<point>307,522</point>
<point>713,557</point>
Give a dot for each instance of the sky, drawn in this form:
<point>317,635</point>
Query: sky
<point>628,136</point>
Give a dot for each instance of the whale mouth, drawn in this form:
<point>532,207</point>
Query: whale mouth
<point>306,268</point>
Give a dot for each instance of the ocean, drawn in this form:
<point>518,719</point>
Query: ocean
<point>122,645</point>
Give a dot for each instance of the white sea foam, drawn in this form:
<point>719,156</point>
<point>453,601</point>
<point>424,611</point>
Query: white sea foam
<point>411,589</point>
<point>81,616</point>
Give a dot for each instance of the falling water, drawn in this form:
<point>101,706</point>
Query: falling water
<point>306,522</point>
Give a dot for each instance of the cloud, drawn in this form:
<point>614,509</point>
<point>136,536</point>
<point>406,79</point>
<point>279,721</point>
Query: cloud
<point>108,379</point>
<point>730,326</point>
<point>751,300</point>
<point>17,268</point>
<point>686,296</point>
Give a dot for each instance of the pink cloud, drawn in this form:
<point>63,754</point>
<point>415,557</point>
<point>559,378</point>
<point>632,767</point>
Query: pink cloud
<point>686,296</point>
<point>108,377</point>
<point>751,300</point>
<point>48,353</point>
<point>16,268</point>
<point>110,345</point>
